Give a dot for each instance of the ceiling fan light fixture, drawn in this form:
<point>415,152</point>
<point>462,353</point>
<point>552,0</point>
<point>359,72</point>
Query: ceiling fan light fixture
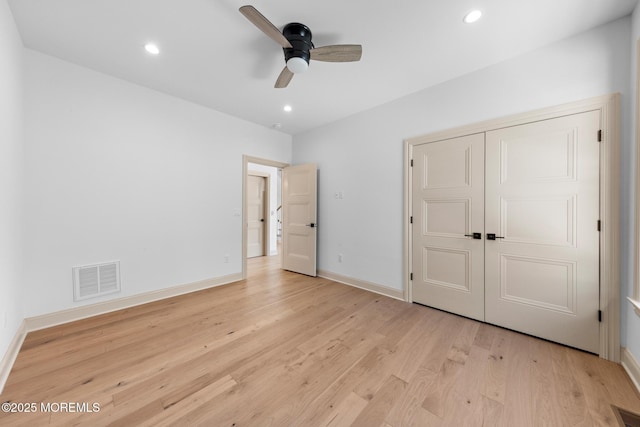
<point>472,16</point>
<point>295,39</point>
<point>297,65</point>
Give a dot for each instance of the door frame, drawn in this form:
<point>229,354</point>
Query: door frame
<point>609,108</point>
<point>246,159</point>
<point>266,208</point>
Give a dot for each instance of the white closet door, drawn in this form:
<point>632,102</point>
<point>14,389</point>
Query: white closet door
<point>448,203</point>
<point>542,203</point>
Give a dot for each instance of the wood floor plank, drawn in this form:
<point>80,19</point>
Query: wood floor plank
<point>567,392</point>
<point>597,396</point>
<point>176,412</point>
<point>345,413</point>
<point>440,393</point>
<point>285,349</point>
<point>466,406</point>
<point>408,410</point>
<point>381,403</point>
<point>311,378</point>
<point>326,402</point>
<point>519,398</point>
<point>496,376</point>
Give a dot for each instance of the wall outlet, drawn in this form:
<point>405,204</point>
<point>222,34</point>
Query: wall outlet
<point>4,320</point>
<point>226,259</point>
<point>339,257</point>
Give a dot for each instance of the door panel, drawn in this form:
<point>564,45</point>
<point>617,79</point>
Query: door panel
<point>542,199</point>
<point>448,188</point>
<point>540,220</point>
<point>255,216</point>
<point>299,204</point>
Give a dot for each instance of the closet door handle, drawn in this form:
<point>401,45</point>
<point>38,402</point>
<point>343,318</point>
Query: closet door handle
<point>477,236</point>
<point>492,236</point>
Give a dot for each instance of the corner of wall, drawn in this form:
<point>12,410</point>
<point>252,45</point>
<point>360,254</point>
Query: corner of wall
<point>6,364</point>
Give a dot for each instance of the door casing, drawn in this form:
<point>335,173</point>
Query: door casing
<point>609,108</point>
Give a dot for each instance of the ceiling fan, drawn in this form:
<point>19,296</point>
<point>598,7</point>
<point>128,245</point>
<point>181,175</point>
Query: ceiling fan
<point>295,40</point>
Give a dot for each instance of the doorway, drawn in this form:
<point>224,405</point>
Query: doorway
<point>261,238</point>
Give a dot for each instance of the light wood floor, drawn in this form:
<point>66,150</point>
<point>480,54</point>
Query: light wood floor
<point>280,349</point>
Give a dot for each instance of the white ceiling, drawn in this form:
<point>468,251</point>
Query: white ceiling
<point>211,54</point>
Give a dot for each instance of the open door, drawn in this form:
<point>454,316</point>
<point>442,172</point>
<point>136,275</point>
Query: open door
<point>299,209</point>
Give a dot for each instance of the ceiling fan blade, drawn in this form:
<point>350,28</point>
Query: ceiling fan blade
<point>284,78</point>
<point>337,53</point>
<point>264,25</point>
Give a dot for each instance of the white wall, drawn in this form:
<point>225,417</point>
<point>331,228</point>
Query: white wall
<point>116,171</point>
<point>363,155</point>
<point>11,178</point>
<point>630,331</point>
<point>273,203</point>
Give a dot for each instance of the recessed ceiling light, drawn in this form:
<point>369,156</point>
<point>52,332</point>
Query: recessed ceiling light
<point>287,108</point>
<point>472,16</point>
<point>151,48</point>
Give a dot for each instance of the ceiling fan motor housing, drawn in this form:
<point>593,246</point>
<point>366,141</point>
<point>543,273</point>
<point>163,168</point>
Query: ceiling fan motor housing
<point>299,35</point>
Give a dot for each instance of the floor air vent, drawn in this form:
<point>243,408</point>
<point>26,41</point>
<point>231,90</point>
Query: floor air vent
<point>91,281</point>
<point>626,418</point>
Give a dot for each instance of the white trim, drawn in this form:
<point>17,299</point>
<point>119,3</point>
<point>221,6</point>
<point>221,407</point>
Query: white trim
<point>608,105</point>
<point>6,364</point>
<point>362,284</point>
<point>591,104</point>
<point>77,313</point>
<point>635,304</point>
<point>631,366</point>
<point>636,282</point>
<point>406,251</point>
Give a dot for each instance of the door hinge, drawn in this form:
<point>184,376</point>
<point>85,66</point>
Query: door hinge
<point>599,315</point>
<point>411,220</point>
<point>411,162</point>
<point>600,135</point>
<point>411,276</point>
<point>599,225</point>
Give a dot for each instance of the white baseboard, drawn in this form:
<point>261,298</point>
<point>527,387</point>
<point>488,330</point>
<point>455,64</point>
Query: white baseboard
<point>6,364</point>
<point>631,365</point>
<point>77,313</point>
<point>362,284</point>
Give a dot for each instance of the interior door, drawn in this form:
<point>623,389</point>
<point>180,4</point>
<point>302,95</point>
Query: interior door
<point>542,204</point>
<point>448,208</point>
<point>255,216</point>
<point>299,218</point>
